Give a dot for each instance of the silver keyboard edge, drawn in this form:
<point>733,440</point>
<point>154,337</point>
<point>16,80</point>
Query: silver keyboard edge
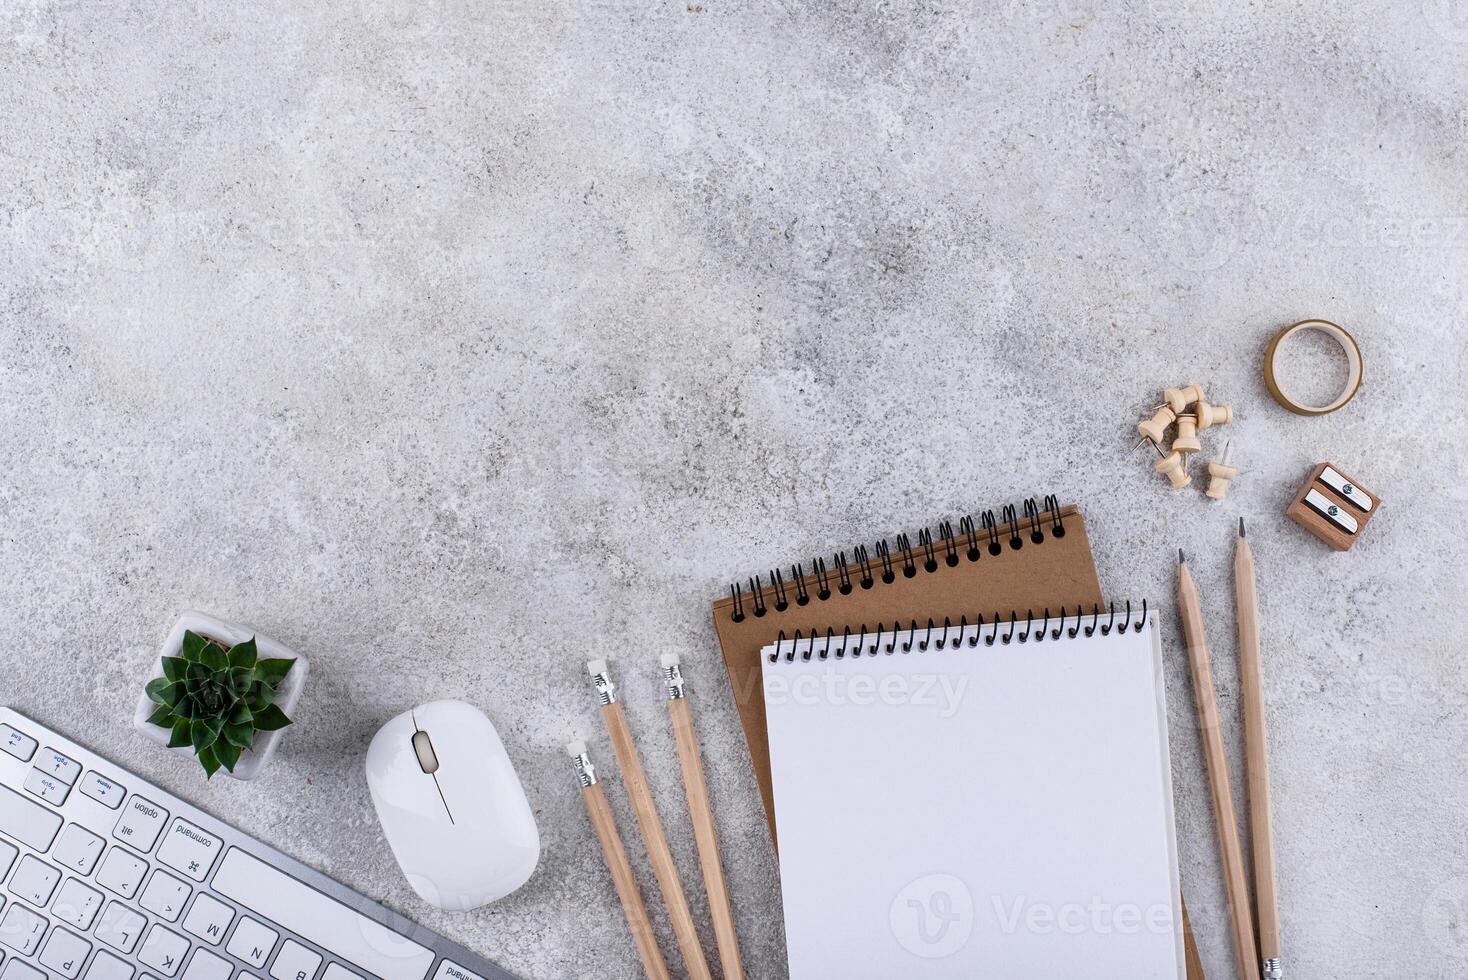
<point>232,836</point>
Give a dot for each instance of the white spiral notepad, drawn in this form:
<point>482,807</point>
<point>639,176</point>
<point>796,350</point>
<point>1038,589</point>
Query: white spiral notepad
<point>952,805</point>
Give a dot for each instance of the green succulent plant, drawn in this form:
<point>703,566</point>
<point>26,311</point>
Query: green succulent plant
<point>215,698</point>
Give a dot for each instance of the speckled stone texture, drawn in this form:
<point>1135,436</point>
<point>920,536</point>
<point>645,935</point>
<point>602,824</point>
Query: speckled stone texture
<point>452,343</point>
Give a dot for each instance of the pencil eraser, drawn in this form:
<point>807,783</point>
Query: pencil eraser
<point>668,660</point>
<point>594,667</point>
<point>576,748</point>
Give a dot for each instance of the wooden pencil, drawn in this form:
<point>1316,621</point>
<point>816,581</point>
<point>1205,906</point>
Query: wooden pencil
<point>1256,755</point>
<point>664,868</point>
<point>1215,759</point>
<point>695,785</point>
<point>615,854</point>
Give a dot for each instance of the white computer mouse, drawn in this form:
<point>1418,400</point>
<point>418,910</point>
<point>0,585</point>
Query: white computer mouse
<point>452,806</point>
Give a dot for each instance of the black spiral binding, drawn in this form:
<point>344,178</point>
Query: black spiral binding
<point>883,563</point>
<point>1002,629</point>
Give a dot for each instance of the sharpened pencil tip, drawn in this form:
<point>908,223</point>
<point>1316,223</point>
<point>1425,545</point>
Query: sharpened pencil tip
<point>1180,558</point>
<point>1241,527</point>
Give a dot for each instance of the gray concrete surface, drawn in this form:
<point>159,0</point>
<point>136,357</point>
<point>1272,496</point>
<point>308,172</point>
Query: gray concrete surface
<point>454,342</point>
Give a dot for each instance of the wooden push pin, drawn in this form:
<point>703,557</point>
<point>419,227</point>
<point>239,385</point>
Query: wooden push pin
<point>1210,415</point>
<point>1172,466</point>
<point>1220,474</point>
<point>1187,435</point>
<point>1156,427</point>
<point>1178,399</point>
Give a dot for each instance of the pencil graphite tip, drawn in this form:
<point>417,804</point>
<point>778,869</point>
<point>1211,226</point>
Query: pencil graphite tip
<point>1241,527</point>
<point>1180,558</point>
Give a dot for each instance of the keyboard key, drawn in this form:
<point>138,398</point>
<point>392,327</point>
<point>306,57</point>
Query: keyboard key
<point>121,872</point>
<point>65,953</point>
<point>208,919</point>
<point>449,970</point>
<point>8,852</point>
<point>29,822</point>
<point>34,881</point>
<point>295,962</point>
<point>206,966</point>
<point>76,904</point>
<point>16,970</point>
<point>120,927</point>
<point>252,942</point>
<point>21,929</point>
<point>78,849</point>
<point>335,971</point>
<point>103,790</point>
<point>17,743</point>
<point>140,824</point>
<point>343,931</point>
<point>163,950</point>
<point>105,966</point>
<point>190,850</point>
<point>165,896</point>
<point>53,763</point>
<point>47,787</point>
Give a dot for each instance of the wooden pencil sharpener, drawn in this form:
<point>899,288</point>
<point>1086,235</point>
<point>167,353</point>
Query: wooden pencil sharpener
<point>1333,507</point>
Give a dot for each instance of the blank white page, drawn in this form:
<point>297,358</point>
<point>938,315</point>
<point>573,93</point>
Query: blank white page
<point>978,811</point>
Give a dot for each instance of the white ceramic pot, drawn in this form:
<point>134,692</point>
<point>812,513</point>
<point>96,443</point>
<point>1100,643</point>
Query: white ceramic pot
<point>258,756</point>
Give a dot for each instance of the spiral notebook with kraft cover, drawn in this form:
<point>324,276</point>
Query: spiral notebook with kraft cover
<point>1016,561</point>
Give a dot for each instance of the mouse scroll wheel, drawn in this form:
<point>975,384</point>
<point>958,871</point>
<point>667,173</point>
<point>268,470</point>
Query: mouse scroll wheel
<point>423,748</point>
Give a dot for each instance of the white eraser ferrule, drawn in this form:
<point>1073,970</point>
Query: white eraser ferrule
<point>601,679</point>
<point>585,771</point>
<point>673,676</point>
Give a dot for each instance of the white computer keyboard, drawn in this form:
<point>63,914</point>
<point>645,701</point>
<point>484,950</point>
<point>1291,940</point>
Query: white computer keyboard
<point>108,878</point>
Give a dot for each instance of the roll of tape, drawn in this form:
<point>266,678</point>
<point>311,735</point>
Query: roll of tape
<point>1353,360</point>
